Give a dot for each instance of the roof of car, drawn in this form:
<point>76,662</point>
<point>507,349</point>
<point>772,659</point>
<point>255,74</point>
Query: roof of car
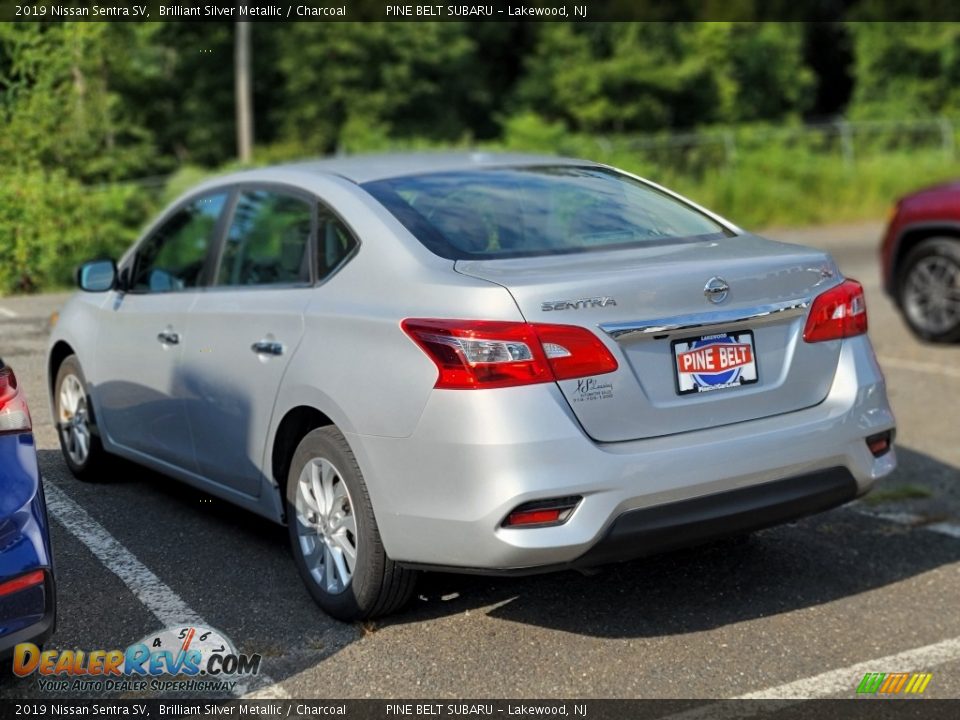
<point>366,168</point>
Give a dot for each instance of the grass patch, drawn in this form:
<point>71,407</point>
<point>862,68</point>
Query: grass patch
<point>895,494</point>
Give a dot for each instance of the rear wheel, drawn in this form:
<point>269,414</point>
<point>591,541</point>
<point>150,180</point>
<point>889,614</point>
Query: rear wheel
<point>929,289</point>
<point>79,441</point>
<point>334,536</point>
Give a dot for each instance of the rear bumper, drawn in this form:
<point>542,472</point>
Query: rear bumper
<point>440,496</point>
<point>34,614</point>
<point>661,528</point>
<point>648,531</point>
<point>28,615</point>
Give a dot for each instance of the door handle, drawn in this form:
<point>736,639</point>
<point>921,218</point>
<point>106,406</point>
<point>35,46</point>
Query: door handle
<point>267,347</point>
<point>167,337</point>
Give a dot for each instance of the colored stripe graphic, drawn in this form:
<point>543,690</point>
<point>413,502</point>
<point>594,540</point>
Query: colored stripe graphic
<point>871,682</point>
<point>920,682</point>
<point>894,683</point>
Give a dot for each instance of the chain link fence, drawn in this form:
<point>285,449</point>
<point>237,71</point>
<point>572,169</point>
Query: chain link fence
<point>693,154</point>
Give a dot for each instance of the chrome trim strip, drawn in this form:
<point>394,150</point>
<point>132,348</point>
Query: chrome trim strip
<point>685,323</point>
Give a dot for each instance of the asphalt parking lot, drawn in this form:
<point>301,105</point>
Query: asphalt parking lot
<point>801,610</point>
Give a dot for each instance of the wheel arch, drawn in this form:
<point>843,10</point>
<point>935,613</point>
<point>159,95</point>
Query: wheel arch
<point>912,236</point>
<point>296,423</point>
<point>60,351</point>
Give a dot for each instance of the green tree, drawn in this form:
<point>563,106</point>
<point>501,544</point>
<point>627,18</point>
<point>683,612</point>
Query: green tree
<point>905,69</point>
<point>643,77</point>
<point>398,79</point>
<point>58,107</point>
<point>65,130</point>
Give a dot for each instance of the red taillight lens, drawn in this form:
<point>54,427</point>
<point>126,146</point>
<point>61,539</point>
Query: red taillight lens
<point>574,352</point>
<point>14,415</point>
<point>838,313</point>
<point>23,582</point>
<point>475,354</point>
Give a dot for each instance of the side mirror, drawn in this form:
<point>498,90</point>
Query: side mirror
<point>97,276</point>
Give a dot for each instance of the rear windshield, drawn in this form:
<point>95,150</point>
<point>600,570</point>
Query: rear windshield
<point>510,212</point>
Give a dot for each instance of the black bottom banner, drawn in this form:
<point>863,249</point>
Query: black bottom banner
<point>859,709</point>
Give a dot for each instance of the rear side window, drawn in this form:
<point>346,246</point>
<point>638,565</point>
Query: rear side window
<point>268,241</point>
<point>506,212</point>
<point>173,257</point>
<point>334,243</point>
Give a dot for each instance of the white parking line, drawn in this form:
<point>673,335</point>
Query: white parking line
<point>7,313</point>
<point>901,518</point>
<point>919,366</point>
<point>845,680</point>
<point>841,681</point>
<point>945,528</point>
<point>168,607</point>
<point>913,520</point>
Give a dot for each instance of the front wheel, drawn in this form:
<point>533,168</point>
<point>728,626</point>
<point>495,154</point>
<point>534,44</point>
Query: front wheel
<point>79,440</point>
<point>929,289</point>
<point>334,536</point>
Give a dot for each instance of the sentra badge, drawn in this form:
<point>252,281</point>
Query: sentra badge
<point>594,302</point>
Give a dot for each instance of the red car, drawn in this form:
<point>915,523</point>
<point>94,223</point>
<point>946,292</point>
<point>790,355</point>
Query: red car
<point>921,261</point>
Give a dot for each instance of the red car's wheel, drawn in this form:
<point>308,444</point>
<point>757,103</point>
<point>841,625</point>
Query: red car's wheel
<point>929,289</point>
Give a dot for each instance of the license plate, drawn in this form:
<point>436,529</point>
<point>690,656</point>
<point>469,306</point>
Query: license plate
<point>714,362</point>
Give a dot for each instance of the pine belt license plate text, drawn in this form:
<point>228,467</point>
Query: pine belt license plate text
<point>714,362</point>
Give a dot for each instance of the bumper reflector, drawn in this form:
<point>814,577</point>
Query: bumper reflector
<point>881,443</point>
<point>23,582</point>
<point>542,513</point>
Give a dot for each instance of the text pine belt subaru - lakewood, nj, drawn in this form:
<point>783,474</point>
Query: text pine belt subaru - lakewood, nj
<point>471,362</point>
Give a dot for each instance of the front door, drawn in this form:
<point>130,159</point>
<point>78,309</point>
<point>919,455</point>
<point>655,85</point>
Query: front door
<point>143,335</point>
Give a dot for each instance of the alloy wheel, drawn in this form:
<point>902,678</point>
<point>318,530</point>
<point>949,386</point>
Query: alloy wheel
<point>74,420</point>
<point>326,525</point>
<point>932,294</point>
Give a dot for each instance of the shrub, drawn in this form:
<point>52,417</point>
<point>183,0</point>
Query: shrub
<point>50,223</point>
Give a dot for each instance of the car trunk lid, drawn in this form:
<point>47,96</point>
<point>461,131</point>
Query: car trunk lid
<point>649,306</point>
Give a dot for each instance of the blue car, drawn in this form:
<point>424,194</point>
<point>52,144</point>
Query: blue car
<point>27,597</point>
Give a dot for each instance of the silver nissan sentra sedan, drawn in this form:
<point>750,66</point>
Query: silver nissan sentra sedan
<point>471,362</point>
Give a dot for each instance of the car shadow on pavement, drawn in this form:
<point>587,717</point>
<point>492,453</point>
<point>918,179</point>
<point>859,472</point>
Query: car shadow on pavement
<point>810,562</point>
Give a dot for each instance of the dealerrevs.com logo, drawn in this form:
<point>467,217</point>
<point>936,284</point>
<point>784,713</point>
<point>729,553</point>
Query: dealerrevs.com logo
<point>186,657</point>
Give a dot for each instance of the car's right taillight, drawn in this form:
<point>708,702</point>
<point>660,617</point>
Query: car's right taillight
<point>840,312</point>
<point>14,415</point>
<point>481,354</point>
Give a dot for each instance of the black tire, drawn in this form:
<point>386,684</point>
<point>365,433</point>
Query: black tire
<point>378,585</point>
<point>93,467</point>
<point>937,248</point>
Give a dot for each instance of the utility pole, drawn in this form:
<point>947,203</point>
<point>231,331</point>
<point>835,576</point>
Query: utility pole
<point>244,91</point>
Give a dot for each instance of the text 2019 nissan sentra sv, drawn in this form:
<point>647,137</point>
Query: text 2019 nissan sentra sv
<point>485,363</point>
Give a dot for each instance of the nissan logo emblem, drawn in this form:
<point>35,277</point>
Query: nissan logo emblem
<point>716,290</point>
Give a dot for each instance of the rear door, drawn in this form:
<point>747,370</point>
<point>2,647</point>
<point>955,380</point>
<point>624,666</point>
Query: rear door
<point>143,334</point>
<point>247,326</point>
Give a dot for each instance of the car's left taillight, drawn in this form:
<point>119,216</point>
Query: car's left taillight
<point>838,313</point>
<point>481,354</point>
<point>14,415</point>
